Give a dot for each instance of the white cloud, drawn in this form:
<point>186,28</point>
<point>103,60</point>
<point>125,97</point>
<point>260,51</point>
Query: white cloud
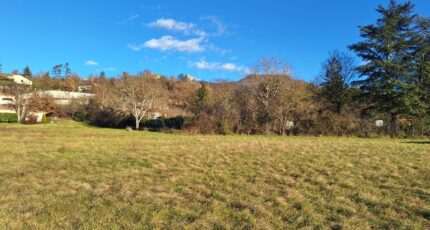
<point>166,43</point>
<point>229,67</point>
<point>91,63</point>
<point>217,27</point>
<point>204,65</point>
<point>217,66</point>
<point>171,24</point>
<point>200,43</point>
<point>177,26</point>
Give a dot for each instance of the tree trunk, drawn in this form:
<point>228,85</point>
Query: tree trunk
<point>137,123</point>
<point>393,126</point>
<point>21,113</point>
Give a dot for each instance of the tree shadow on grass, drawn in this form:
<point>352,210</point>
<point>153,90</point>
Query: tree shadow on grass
<point>417,142</point>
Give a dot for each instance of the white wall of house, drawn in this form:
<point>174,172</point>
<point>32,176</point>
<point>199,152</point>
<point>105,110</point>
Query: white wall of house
<point>6,99</point>
<point>65,97</point>
<point>20,80</point>
<point>6,109</point>
<point>6,103</point>
<point>38,115</point>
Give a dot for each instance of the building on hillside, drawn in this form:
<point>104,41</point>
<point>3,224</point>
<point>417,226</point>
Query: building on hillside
<point>66,98</point>
<point>85,88</point>
<point>7,108</point>
<point>187,77</point>
<point>6,103</point>
<point>18,79</point>
<point>167,111</point>
<point>6,99</point>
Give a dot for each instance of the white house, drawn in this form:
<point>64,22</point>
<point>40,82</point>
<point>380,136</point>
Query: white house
<point>7,106</point>
<point>6,103</point>
<point>187,77</point>
<point>20,80</point>
<point>84,88</point>
<point>5,99</point>
<point>66,98</point>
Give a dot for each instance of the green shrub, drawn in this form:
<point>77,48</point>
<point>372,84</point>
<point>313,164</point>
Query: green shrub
<point>166,123</point>
<point>81,115</point>
<point>8,117</point>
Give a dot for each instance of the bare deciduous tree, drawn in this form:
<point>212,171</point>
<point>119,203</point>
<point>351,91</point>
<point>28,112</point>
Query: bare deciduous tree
<point>41,103</point>
<point>271,66</point>
<point>268,97</point>
<point>20,94</point>
<point>272,73</point>
<point>136,96</point>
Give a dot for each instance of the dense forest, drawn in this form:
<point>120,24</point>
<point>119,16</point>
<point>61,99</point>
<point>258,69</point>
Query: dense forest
<point>385,91</point>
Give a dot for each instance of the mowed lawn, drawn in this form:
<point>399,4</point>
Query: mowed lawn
<point>73,176</point>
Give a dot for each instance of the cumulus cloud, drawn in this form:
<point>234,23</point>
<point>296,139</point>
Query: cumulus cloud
<point>172,24</point>
<point>166,43</point>
<point>229,67</point>
<point>200,42</point>
<point>217,66</point>
<point>91,63</point>
<point>204,65</point>
<point>178,26</point>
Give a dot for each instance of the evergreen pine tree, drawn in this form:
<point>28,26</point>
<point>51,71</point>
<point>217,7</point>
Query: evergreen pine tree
<point>387,51</point>
<point>67,70</point>
<point>338,70</point>
<point>422,55</point>
<point>57,70</point>
<point>201,100</point>
<point>27,72</point>
<point>102,75</point>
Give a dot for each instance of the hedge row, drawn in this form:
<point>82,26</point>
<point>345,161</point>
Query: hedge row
<point>8,117</point>
<point>167,123</point>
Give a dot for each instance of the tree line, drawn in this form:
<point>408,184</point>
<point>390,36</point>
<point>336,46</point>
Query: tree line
<point>391,85</point>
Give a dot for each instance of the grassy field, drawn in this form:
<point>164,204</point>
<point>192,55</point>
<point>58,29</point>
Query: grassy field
<point>72,176</point>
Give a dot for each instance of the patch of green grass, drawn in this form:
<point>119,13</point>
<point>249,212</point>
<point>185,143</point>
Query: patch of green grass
<point>71,175</point>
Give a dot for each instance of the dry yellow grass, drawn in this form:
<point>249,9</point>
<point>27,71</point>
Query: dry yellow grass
<point>71,176</point>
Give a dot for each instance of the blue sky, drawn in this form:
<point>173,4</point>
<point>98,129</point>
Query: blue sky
<point>211,40</point>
